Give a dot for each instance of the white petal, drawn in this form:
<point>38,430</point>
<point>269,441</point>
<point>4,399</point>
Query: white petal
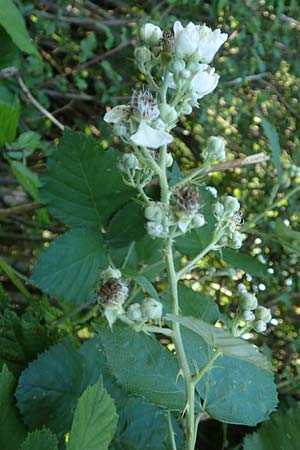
<point>149,137</point>
<point>177,27</point>
<point>205,81</point>
<point>117,114</point>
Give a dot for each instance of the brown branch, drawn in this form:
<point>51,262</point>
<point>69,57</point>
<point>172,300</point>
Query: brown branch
<point>15,210</point>
<point>226,165</point>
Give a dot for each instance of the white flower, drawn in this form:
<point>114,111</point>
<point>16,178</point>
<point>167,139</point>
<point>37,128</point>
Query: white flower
<point>147,136</point>
<point>205,81</point>
<point>186,39</point>
<point>117,114</point>
<point>145,104</point>
<point>197,40</point>
<point>150,33</point>
<point>209,43</point>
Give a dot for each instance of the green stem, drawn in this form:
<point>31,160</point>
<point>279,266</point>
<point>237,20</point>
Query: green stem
<point>164,88</point>
<point>171,431</point>
<point>180,352</point>
<point>197,377</point>
<point>12,275</point>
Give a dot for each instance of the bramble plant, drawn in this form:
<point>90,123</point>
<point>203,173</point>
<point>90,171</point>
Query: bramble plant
<point>148,210</point>
<point>139,228</point>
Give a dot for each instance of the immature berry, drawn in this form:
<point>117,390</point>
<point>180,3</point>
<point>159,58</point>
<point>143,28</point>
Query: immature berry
<point>134,312</point>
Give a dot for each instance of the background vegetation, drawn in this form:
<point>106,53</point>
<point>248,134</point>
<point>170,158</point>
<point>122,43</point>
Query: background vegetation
<point>78,65</point>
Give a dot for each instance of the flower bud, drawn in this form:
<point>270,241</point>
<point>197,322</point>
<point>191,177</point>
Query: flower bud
<point>142,55</point>
<point>198,221</point>
<point>236,240</point>
<point>168,113</point>
<point>150,33</point>
<point>218,209</point>
<point>169,160</point>
<point>154,212</point>
<point>231,205</point>
<point>154,229</point>
<point>248,301</point>
<point>129,162</point>
<point>215,150</point>
<point>262,313</point>
<point>248,316</point>
<point>151,309</point>
<point>260,326</point>
<point>186,108</point>
<point>185,74</point>
<point>177,66</point>
<point>134,312</point>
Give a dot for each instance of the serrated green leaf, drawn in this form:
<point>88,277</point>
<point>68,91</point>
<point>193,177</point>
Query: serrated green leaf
<point>21,339</point>
<point>194,304</point>
<point>82,185</point>
<point>248,263</point>
<point>233,391</point>
<point>69,268</point>
<point>12,430</point>
<point>127,225</point>
<point>9,120</point>
<point>224,341</point>
<point>95,420</point>
<point>282,432</point>
<point>40,440</point>
<point>143,367</point>
<point>273,138</point>
<point>141,426</point>
<point>49,388</point>
<point>13,22</point>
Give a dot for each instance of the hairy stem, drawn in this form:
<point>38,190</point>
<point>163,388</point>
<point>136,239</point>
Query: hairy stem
<point>180,352</point>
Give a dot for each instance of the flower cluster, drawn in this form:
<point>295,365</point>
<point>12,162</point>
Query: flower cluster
<point>179,59</point>
<point>229,218</point>
<point>252,316</point>
<point>182,215</point>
